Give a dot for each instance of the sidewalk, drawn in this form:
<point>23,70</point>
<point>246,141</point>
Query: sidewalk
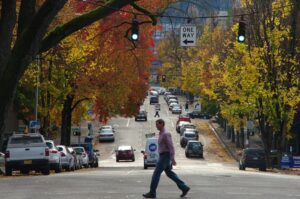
<point>253,142</point>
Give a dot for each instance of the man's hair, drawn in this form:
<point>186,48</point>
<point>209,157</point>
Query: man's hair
<point>160,121</point>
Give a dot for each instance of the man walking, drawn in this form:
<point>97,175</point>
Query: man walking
<point>165,162</point>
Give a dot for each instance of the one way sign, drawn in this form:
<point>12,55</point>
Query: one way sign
<point>188,36</point>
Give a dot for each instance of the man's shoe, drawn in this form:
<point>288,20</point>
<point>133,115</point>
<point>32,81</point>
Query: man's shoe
<point>149,195</point>
<point>184,192</point>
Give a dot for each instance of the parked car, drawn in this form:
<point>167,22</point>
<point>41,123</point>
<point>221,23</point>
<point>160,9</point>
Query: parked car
<point>77,158</point>
<point>176,110</point>
<point>84,156</point>
<point>26,152</point>
<point>180,124</point>
<point>2,163</point>
<point>191,130</point>
<point>54,157</point>
<point>67,159</point>
<point>125,153</point>
<point>183,117</point>
<point>186,136</point>
<point>106,135</point>
<point>186,126</point>
<point>194,149</point>
<point>142,115</point>
<point>253,158</point>
<point>199,114</point>
<point>93,159</point>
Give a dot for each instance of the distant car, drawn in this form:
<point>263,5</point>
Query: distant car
<point>77,158</point>
<point>142,115</point>
<point>184,117</point>
<point>186,126</point>
<point>92,154</point>
<point>253,158</point>
<point>125,153</point>
<point>180,124</point>
<point>84,156</point>
<point>154,100</point>
<point>194,149</point>
<point>187,135</point>
<point>106,135</point>
<point>106,127</point>
<point>199,114</point>
<point>176,110</point>
<point>191,130</point>
<point>54,156</point>
<point>67,159</point>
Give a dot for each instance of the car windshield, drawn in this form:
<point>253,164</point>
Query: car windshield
<point>105,131</point>
<point>79,150</point>
<point>254,152</point>
<point>194,145</point>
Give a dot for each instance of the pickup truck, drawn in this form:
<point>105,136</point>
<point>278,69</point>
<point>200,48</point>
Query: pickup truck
<point>27,152</point>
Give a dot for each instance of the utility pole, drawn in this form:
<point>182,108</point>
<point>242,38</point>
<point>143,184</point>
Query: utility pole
<point>37,90</point>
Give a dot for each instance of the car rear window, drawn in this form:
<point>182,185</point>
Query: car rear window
<point>190,135</point>
<point>26,140</point>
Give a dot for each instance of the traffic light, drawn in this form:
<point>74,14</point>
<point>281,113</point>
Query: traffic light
<point>135,30</point>
<point>242,32</point>
<point>163,78</point>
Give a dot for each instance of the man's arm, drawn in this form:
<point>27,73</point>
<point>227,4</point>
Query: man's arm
<point>170,145</point>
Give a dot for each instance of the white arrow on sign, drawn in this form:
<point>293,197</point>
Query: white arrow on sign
<point>188,35</point>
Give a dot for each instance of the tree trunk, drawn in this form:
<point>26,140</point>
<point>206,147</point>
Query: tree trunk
<point>66,121</point>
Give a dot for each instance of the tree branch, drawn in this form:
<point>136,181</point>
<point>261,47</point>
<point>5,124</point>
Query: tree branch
<point>60,32</point>
<point>78,102</point>
<point>146,12</point>
<point>7,23</point>
<point>27,12</point>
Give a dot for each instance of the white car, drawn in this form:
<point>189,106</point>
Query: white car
<point>2,163</point>
<point>54,156</point>
<point>67,159</point>
<point>106,127</point>
<point>84,156</point>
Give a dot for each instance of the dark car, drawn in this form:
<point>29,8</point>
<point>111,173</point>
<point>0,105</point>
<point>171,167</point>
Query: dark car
<point>142,115</point>
<point>125,153</point>
<point>253,158</point>
<point>154,100</point>
<point>199,114</point>
<point>194,149</point>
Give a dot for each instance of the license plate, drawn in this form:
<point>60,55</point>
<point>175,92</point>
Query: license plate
<point>27,161</point>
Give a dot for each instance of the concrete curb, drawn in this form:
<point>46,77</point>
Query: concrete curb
<point>230,152</point>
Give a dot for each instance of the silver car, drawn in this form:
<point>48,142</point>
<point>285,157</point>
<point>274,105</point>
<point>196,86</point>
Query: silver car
<point>2,163</point>
<point>67,159</point>
<point>106,135</point>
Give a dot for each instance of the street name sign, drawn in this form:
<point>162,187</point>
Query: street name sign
<point>34,124</point>
<point>188,35</point>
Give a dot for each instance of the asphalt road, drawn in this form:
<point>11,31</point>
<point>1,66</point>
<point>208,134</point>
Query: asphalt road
<point>208,178</point>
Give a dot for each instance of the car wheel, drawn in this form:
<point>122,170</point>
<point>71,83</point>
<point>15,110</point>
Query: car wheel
<point>46,171</point>
<point>263,169</point>
<point>58,168</point>
<point>117,160</point>
<point>187,155</point>
<point>133,159</point>
<point>8,171</point>
<point>145,166</point>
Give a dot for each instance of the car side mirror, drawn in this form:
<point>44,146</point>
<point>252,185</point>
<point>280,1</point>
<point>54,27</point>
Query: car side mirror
<point>96,150</point>
<point>142,151</point>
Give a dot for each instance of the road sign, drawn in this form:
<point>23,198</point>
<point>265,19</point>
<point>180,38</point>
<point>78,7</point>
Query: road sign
<point>188,35</point>
<point>34,124</point>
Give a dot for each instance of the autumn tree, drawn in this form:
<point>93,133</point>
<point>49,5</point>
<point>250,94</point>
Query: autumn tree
<point>34,36</point>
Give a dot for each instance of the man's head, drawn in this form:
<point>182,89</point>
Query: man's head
<point>160,124</point>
